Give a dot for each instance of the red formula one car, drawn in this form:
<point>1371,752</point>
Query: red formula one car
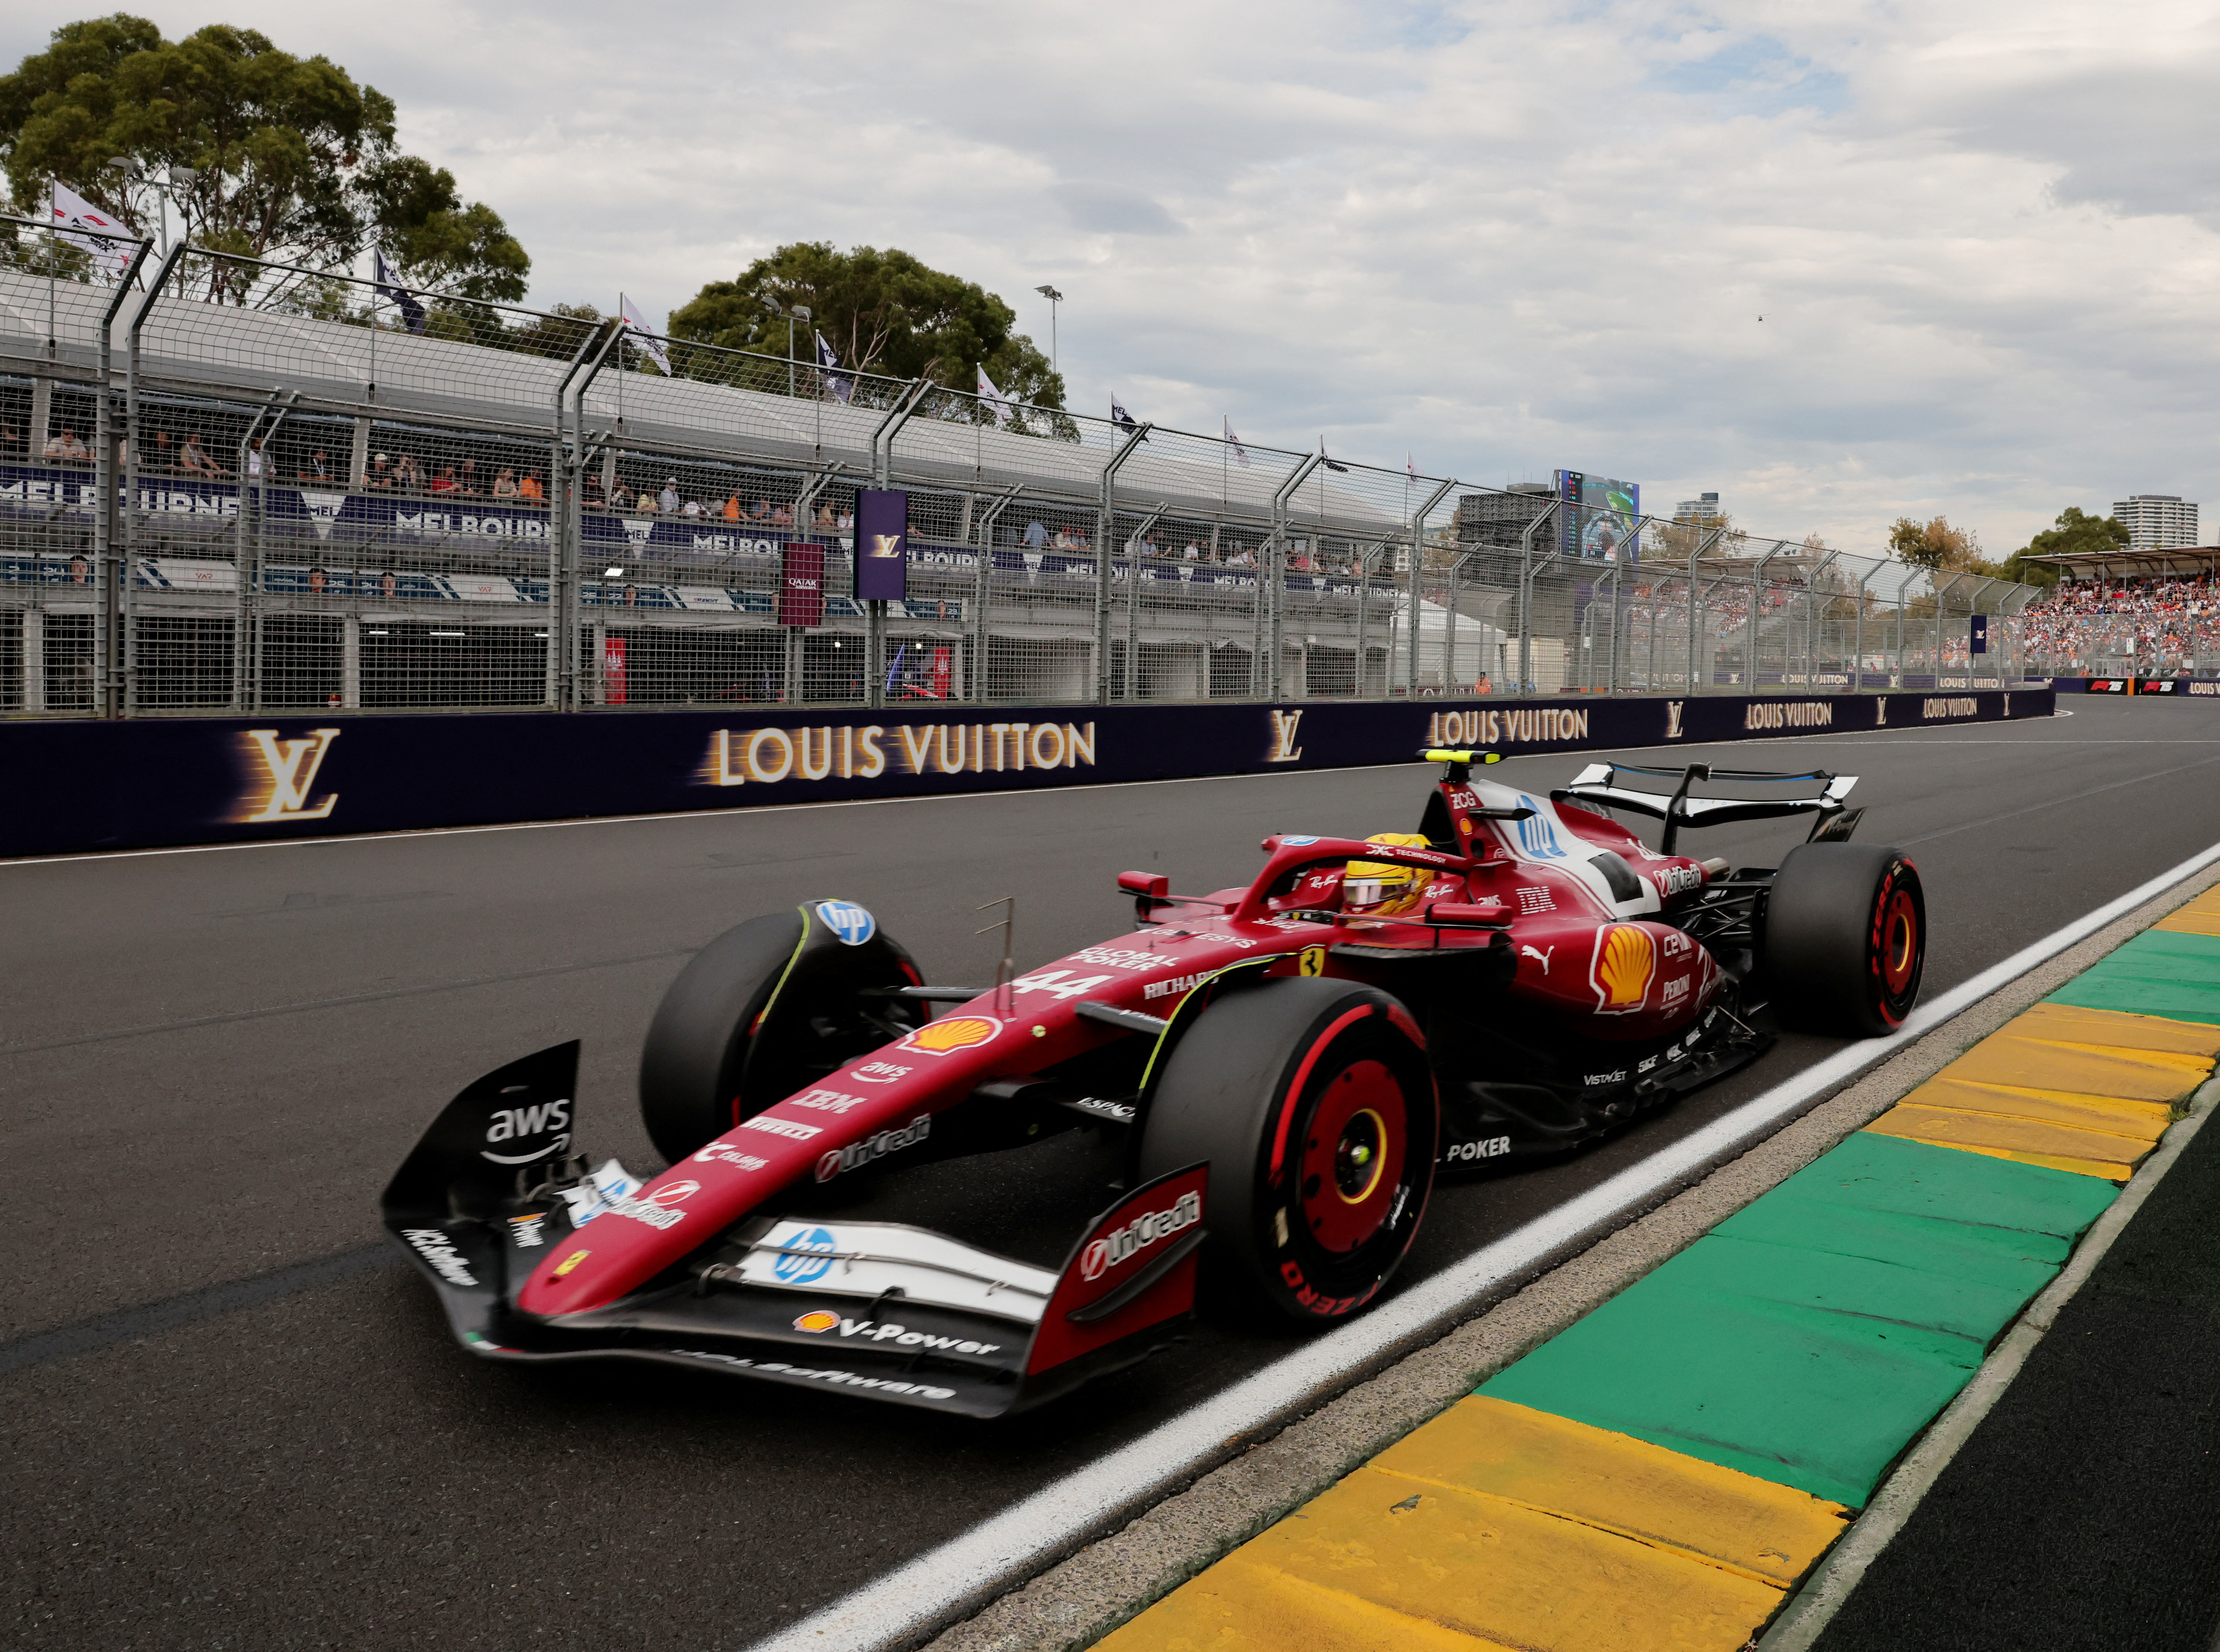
<point>1274,1076</point>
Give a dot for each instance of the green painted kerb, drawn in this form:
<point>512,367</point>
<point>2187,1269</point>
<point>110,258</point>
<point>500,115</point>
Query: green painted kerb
<point>1807,1338</point>
<point>2160,972</point>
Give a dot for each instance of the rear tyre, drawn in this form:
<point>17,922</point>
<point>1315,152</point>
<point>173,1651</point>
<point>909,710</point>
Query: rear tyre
<point>1314,1105</point>
<point>764,1010</point>
<point>1845,938</point>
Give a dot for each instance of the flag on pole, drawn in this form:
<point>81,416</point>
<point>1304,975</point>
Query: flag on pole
<point>73,212</point>
<point>842,388</point>
<point>1330,464</point>
<point>994,399</point>
<point>1240,453</point>
<point>1411,466</point>
<point>390,289</point>
<point>1119,417</point>
<point>650,347</point>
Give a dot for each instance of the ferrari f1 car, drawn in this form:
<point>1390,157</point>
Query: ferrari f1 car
<point>1273,1076</point>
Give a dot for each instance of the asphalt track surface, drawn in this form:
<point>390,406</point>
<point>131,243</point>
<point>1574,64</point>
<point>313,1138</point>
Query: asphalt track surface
<point>227,1418</point>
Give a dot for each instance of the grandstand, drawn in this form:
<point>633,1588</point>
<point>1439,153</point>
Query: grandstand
<point>307,510</point>
<point>2127,612</point>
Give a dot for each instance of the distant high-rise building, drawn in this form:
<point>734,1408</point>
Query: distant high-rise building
<point>1704,508</point>
<point>2157,521</point>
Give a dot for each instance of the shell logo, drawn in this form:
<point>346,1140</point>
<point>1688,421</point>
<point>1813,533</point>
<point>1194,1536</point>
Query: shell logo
<point>1626,960</point>
<point>956,1032</point>
<point>817,1320</point>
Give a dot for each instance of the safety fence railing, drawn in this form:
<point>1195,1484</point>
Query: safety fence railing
<point>227,485</point>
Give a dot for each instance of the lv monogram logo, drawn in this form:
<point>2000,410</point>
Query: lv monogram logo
<point>290,769</point>
<point>1672,719</point>
<point>1284,749</point>
<point>885,545</point>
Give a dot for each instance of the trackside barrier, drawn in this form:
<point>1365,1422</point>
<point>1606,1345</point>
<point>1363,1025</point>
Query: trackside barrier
<point>77,786</point>
<point>2182,688</point>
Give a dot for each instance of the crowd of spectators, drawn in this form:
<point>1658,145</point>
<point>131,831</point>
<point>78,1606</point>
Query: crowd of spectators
<point>2163,620</point>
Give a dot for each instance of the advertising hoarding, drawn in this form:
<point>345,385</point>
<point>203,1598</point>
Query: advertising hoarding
<point>882,544</point>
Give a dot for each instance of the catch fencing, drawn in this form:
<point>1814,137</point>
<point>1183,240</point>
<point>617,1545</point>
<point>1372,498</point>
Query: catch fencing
<point>231,486</point>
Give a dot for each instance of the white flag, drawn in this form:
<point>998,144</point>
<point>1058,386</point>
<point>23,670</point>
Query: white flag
<point>842,389</point>
<point>650,344</point>
<point>73,212</point>
<point>1411,467</point>
<point>992,397</point>
<point>1240,453</point>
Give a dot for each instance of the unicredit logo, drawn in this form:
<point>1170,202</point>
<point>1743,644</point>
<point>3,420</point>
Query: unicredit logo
<point>1144,1229</point>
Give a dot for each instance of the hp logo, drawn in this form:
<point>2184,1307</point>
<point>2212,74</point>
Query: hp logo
<point>1538,835</point>
<point>846,919</point>
<point>794,1270</point>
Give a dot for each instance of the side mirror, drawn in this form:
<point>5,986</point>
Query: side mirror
<point>1148,889</point>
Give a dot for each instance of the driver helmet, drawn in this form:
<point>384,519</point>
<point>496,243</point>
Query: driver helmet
<point>1375,888</point>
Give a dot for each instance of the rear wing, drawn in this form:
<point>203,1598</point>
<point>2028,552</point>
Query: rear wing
<point>1597,784</point>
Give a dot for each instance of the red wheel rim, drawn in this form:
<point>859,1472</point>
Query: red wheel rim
<point>1352,1160</point>
<point>1899,940</point>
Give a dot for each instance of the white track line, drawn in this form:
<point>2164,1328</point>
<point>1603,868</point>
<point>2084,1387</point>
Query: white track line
<point>951,1581</point>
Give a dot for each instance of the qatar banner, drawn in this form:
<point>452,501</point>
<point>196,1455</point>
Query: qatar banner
<point>90,785</point>
<point>882,545</point>
<point>801,585</point>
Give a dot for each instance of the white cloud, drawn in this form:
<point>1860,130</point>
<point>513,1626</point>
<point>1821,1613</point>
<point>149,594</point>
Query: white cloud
<point>1503,237</point>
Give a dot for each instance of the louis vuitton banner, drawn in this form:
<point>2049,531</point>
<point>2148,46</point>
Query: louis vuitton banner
<point>74,786</point>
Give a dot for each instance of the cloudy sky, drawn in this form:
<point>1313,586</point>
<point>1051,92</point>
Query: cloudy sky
<point>1501,237</point>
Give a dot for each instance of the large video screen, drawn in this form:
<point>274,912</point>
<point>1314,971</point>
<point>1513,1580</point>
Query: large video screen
<point>1600,517</point>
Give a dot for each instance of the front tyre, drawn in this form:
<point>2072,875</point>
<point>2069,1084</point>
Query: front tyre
<point>766,1009</point>
<point>1313,1103</point>
<point>1845,938</point>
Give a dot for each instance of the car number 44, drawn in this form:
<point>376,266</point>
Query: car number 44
<point>1059,983</point>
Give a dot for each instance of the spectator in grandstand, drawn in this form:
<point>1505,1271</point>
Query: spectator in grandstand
<point>619,496</point>
<point>444,482</point>
<point>10,437</point>
<point>1192,553</point>
<point>846,521</point>
<point>632,596</point>
<point>408,474</point>
<point>824,517</point>
<point>1484,686</point>
<point>647,503</point>
<point>466,478</point>
<point>668,499</point>
<point>1036,537</point>
<point>66,446</point>
<point>194,461</point>
<point>504,484</point>
<point>387,585</point>
<point>691,508</point>
<point>589,490</point>
<point>783,514</point>
<point>381,473</point>
<point>318,469</point>
<point>528,487</point>
<point>316,581</point>
<point>80,570</point>
<point>734,512</point>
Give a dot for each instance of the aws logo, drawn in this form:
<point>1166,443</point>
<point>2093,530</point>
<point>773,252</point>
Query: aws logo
<point>282,773</point>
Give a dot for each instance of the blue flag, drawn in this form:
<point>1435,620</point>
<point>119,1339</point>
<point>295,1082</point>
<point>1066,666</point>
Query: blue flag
<point>389,289</point>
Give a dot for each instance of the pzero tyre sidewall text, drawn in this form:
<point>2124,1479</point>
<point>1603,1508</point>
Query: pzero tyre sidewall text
<point>1845,938</point>
<point>1261,1067</point>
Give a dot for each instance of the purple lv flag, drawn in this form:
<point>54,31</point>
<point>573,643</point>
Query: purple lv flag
<point>882,544</point>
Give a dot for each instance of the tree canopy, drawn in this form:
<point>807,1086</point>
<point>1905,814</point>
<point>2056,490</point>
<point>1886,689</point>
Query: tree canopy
<point>882,312</point>
<point>296,162</point>
<point>1936,546</point>
<point>2077,533</point>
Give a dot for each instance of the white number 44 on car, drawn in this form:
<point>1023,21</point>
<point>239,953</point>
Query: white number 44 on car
<point>1054,981</point>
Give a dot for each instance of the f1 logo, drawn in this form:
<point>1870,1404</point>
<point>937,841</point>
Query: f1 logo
<point>1284,749</point>
<point>1672,719</point>
<point>289,769</point>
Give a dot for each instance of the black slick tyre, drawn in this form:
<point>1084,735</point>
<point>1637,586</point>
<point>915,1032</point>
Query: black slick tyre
<point>1313,1103</point>
<point>767,1008</point>
<point>1845,938</point>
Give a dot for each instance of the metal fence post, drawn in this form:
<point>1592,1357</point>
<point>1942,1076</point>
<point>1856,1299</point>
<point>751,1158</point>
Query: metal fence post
<point>130,640</point>
<point>1418,563</point>
<point>566,524</point>
<point>1527,568</point>
<point>1106,525</point>
<point>882,465</point>
<point>1134,571</point>
<point>114,572</point>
